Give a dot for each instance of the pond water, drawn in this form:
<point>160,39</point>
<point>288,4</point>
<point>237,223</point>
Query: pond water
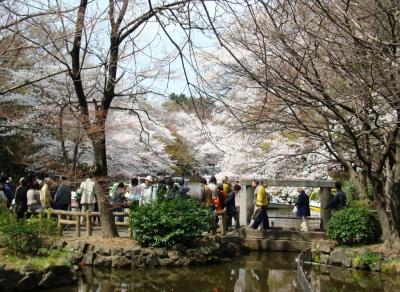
<point>253,272</point>
<point>268,271</point>
<point>332,279</point>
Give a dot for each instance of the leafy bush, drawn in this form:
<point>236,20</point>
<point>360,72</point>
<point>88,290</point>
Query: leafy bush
<point>369,258</point>
<point>354,225</point>
<point>165,223</point>
<point>30,236</point>
<point>7,218</point>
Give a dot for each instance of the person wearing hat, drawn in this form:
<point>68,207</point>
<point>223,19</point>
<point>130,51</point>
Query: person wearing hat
<point>149,192</point>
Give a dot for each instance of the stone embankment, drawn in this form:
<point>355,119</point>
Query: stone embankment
<point>360,258</point>
<point>213,250</point>
<point>29,278</point>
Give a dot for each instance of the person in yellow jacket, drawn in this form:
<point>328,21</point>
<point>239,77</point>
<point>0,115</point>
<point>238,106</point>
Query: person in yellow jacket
<point>226,185</point>
<point>260,209</point>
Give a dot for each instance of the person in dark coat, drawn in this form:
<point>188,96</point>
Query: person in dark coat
<point>231,210</point>
<point>302,204</point>
<point>21,199</point>
<point>9,191</point>
<point>119,200</point>
<point>339,200</point>
<point>183,189</point>
<point>62,198</point>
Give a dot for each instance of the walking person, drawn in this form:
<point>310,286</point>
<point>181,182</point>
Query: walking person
<point>219,206</point>
<point>231,210</point>
<point>227,185</point>
<point>260,211</point>
<point>88,195</point>
<point>303,208</point>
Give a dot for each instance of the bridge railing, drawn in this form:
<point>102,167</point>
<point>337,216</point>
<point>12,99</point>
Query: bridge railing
<point>246,196</point>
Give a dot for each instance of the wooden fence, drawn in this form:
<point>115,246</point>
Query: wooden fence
<point>73,218</point>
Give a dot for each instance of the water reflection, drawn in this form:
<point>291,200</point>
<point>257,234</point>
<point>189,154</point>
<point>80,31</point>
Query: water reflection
<point>254,272</point>
<point>332,279</point>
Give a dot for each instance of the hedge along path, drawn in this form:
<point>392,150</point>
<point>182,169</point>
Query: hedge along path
<point>73,218</point>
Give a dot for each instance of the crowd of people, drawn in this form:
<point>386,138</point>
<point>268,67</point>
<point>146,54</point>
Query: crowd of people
<point>32,194</point>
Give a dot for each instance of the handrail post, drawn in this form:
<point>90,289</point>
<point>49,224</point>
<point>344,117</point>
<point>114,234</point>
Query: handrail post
<point>58,221</point>
<point>78,226</point>
<point>88,223</point>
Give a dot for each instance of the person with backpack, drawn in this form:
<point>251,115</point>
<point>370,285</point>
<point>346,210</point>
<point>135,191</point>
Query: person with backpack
<point>149,191</point>
<point>260,211</point>
<point>219,206</point>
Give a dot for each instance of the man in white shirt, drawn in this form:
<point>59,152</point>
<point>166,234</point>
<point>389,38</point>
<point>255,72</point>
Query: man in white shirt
<point>149,192</point>
<point>88,195</point>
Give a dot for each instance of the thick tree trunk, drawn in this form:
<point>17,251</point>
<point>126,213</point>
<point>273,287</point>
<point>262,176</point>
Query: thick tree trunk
<point>392,194</point>
<point>359,180</point>
<point>100,154</point>
<point>98,138</point>
<point>108,227</point>
<point>388,211</point>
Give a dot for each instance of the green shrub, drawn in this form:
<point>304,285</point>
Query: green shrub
<point>354,225</point>
<point>7,218</point>
<point>369,258</point>
<point>169,222</point>
<point>31,236</point>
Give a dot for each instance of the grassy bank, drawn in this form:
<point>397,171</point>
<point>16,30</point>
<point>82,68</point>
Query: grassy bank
<point>54,258</point>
